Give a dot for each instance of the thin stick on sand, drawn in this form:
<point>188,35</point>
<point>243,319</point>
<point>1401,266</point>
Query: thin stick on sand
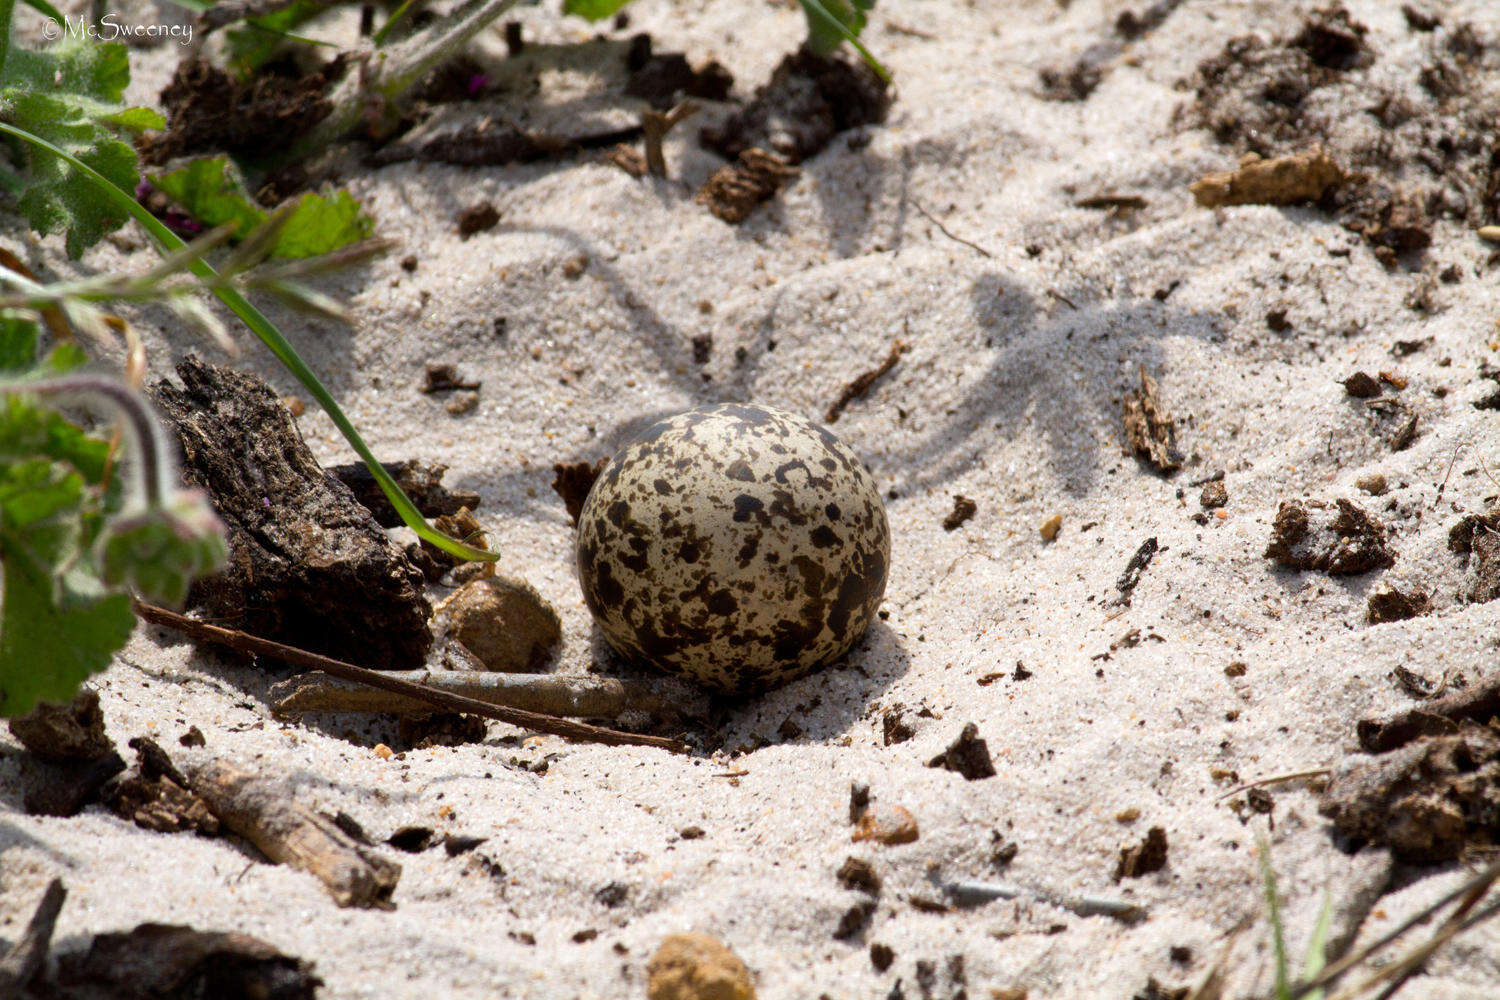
<point>549,694</point>
<point>445,700</point>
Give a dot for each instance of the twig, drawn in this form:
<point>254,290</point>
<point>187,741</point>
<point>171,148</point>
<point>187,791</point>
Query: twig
<point>549,694</point>
<point>1456,452</point>
<point>654,128</point>
<point>946,231</point>
<point>21,964</point>
<point>445,700</point>
<point>290,833</point>
<point>967,894</point>
<point>861,385</point>
<point>1277,779</point>
<point>1336,970</point>
<point>1131,578</point>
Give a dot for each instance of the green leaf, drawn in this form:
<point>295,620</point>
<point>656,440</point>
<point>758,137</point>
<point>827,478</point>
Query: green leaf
<point>49,645</point>
<point>70,95</point>
<point>18,338</point>
<point>830,22</point>
<point>277,343</point>
<point>259,39</point>
<point>594,10</point>
<point>159,553</point>
<point>212,191</point>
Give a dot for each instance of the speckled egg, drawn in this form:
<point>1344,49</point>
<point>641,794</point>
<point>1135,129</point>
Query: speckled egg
<point>738,546</point>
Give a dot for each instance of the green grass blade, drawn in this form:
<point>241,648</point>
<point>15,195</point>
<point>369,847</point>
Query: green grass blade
<point>819,14</point>
<point>45,9</point>
<point>7,11</point>
<point>278,344</point>
<point>1313,963</point>
<point>391,22</point>
<point>1278,929</point>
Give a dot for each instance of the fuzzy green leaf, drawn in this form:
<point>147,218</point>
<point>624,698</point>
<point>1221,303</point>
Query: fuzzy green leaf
<point>212,191</point>
<point>70,95</point>
<point>594,10</point>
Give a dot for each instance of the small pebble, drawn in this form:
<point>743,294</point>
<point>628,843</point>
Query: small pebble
<point>1051,527</point>
<point>1214,495</point>
<point>382,751</point>
<point>1491,233</point>
<point>1128,815</point>
<point>1362,385</point>
<point>886,825</point>
<point>505,623</point>
<point>697,967</point>
<point>1373,484</point>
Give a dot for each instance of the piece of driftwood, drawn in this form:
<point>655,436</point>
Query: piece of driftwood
<point>1439,717</point>
<point>551,694</point>
<point>265,813</point>
<point>21,964</point>
<point>172,962</point>
<point>445,700</point>
<point>309,564</point>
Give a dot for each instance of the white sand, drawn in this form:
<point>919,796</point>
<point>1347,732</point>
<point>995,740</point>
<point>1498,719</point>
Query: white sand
<point>1008,396</point>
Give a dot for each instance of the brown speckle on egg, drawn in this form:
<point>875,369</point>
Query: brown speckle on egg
<point>738,546</point>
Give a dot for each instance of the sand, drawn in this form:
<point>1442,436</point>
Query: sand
<point>1009,395</point>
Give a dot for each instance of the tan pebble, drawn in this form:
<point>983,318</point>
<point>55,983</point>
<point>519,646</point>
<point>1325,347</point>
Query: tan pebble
<point>295,405</point>
<point>697,967</point>
<point>1491,233</point>
<point>505,623</point>
<point>1373,484</point>
<point>382,751</point>
<point>1128,815</point>
<point>887,825</point>
<point>1051,527</point>
<point>1214,495</point>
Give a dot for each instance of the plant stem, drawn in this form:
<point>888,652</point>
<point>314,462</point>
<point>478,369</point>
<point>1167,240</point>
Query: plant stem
<point>390,73</point>
<point>155,474</point>
<point>7,9</point>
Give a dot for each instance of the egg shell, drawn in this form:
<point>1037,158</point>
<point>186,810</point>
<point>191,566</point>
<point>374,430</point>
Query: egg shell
<point>736,545</point>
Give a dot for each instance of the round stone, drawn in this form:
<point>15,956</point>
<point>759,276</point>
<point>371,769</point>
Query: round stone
<point>738,546</point>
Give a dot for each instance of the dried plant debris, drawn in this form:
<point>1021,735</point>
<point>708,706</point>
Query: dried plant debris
<point>733,192</point>
<point>808,100</point>
<point>1129,579</point>
<point>1362,385</point>
<point>967,755</point>
<point>154,795</point>
<point>1150,855</point>
<point>572,481</point>
<point>1477,537</point>
<point>662,78</point>
<point>1418,150</point>
<point>271,817</point>
<point>1149,428</point>
<point>861,384</point>
<point>859,875</point>
<point>1284,180</point>
<point>65,733</point>
<point>458,139</point>
<point>1389,604</point>
<point>421,481</point>
<point>1342,539</point>
<point>209,111</point>
<point>171,962</point>
<point>1427,800</point>
<point>20,964</point>
<point>963,509</point>
<point>309,565</point>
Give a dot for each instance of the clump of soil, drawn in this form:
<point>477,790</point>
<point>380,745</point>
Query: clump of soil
<point>1341,540</point>
<point>1416,150</point>
<point>1150,855</point>
<point>808,100</point>
<point>967,755</point>
<point>1477,537</point>
<point>309,565</point>
<point>171,961</point>
<point>661,78</point>
<point>209,111</point>
<point>1426,800</point>
<point>1390,604</point>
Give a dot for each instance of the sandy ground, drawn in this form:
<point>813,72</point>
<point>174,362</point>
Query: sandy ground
<point>1009,395</point>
